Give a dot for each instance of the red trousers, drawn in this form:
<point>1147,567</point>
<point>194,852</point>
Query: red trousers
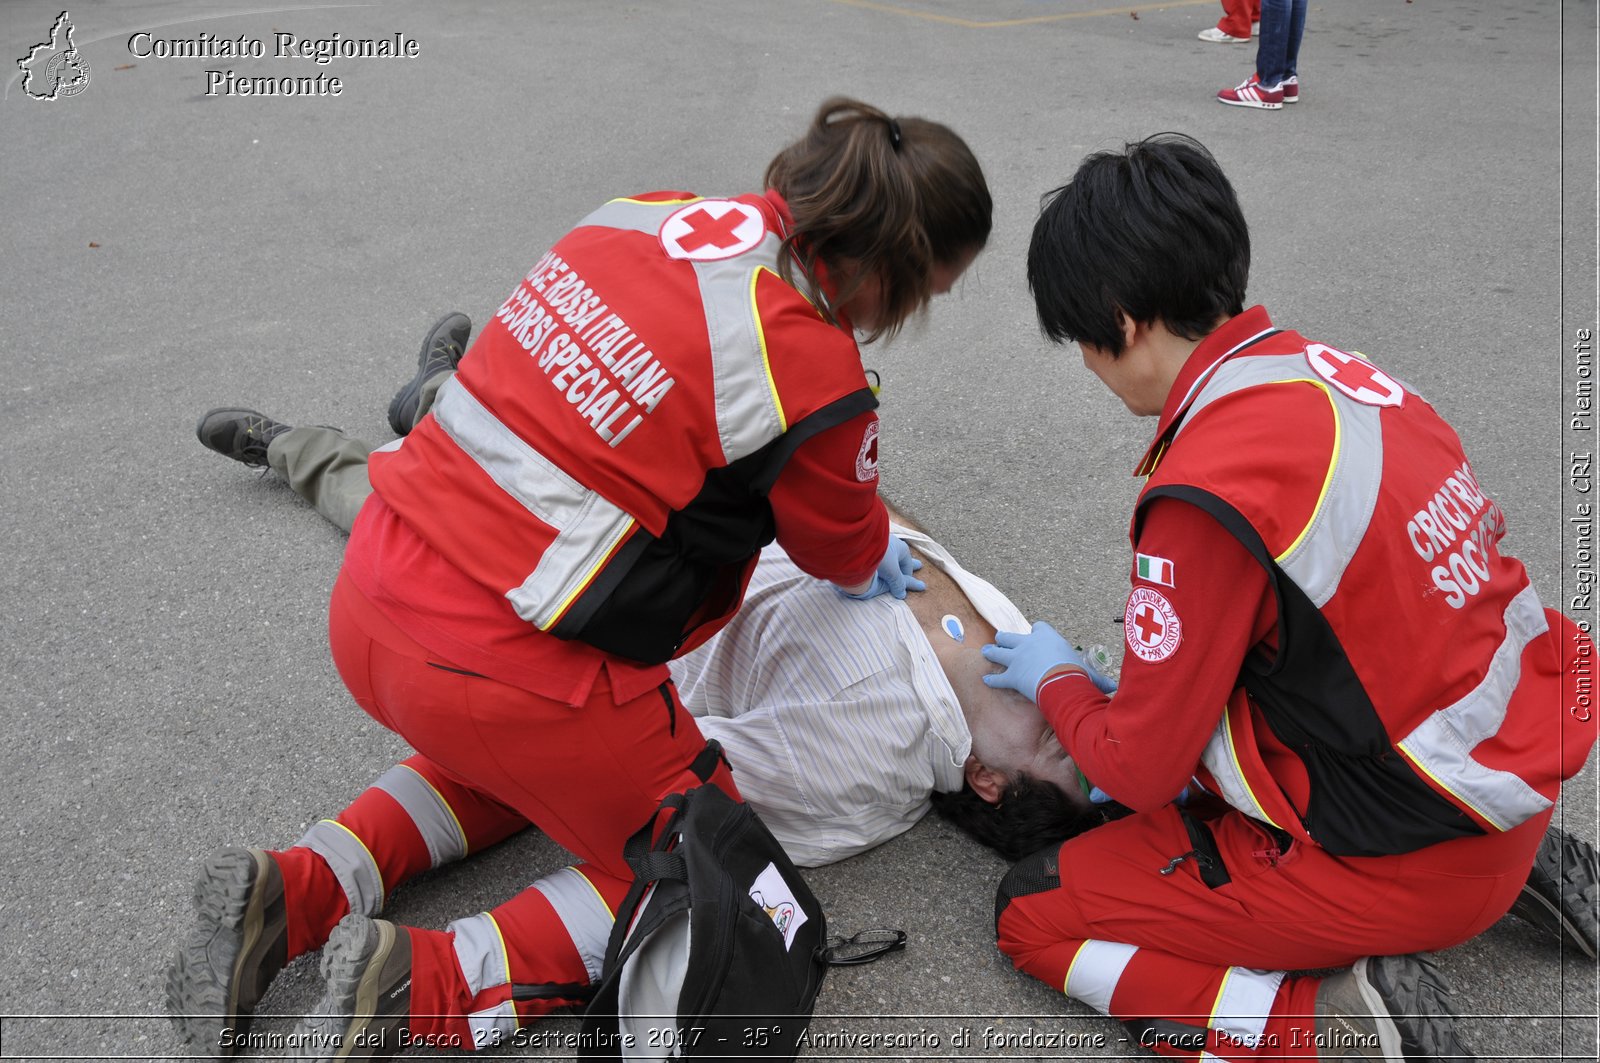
<point>1237,15</point>
<point>1101,920</point>
<point>492,758</point>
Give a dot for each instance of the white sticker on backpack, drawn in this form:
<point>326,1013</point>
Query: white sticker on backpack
<point>776,899</point>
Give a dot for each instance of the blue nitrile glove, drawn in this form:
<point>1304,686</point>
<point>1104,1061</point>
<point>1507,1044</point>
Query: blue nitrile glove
<point>1026,658</point>
<point>1098,796</point>
<point>893,575</point>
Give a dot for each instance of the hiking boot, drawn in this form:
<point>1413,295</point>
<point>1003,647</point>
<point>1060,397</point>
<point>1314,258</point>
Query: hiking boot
<point>1563,891</point>
<point>240,434</point>
<point>442,349</point>
<point>1387,1007</point>
<point>367,1001</point>
<point>241,943</point>
<point>1251,93</point>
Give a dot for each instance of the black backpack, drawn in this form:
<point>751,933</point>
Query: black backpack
<point>719,946</point>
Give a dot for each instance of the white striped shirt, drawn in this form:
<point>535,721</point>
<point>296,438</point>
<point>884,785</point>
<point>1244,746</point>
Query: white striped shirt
<point>835,714</point>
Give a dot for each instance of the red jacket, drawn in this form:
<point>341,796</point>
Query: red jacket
<point>1407,686</point>
<point>607,457</point>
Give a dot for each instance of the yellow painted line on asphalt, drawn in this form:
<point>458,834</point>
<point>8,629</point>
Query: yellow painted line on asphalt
<point>1033,20</point>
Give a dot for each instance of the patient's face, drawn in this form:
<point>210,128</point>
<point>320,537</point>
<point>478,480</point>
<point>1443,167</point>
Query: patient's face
<point>1010,735</point>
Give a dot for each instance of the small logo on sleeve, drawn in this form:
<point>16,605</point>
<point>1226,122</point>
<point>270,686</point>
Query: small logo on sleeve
<point>1153,569</point>
<point>1151,625</point>
<point>867,457</point>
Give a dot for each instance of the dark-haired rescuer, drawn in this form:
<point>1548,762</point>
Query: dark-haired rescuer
<point>1322,630</point>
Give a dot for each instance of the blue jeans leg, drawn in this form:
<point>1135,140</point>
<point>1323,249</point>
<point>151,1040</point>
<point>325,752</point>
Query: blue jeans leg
<point>1297,30</point>
<point>1283,23</point>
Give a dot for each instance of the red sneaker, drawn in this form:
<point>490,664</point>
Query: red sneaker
<point>1291,88</point>
<point>1251,93</point>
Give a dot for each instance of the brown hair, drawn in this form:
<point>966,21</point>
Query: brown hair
<point>894,196</point>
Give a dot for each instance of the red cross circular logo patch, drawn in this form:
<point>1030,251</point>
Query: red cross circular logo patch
<point>712,229</point>
<point>1359,379</point>
<point>1151,625</point>
<point>867,456</point>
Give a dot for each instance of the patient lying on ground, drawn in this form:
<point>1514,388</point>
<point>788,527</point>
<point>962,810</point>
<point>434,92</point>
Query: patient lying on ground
<point>845,720</point>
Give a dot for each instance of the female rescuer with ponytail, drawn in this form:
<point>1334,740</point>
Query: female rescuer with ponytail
<point>672,386</point>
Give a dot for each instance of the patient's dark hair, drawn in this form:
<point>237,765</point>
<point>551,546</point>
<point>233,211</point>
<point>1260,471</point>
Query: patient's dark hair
<point>1030,815</point>
<point>1150,232</point>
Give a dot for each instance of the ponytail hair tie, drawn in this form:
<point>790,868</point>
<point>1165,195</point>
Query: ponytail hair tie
<point>894,134</point>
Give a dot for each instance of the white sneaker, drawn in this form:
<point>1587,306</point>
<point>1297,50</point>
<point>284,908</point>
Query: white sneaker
<point>1216,36</point>
<point>1255,29</point>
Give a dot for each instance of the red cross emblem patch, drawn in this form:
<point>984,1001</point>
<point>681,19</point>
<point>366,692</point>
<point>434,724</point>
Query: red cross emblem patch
<point>1359,379</point>
<point>1151,625</point>
<point>867,456</point>
<point>712,229</point>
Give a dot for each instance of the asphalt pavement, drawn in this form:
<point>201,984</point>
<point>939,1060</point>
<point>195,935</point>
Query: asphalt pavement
<point>171,245</point>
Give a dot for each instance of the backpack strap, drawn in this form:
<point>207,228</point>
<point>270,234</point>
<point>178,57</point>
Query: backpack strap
<point>655,865</point>
<point>705,763</point>
<point>866,946</point>
<point>649,855</point>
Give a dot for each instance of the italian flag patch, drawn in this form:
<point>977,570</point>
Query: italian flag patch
<point>1154,569</point>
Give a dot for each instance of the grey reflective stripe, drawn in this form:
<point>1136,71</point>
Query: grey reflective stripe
<point>585,916</point>
<point>587,527</point>
<point>635,215</point>
<point>749,415</point>
<point>1244,1003</point>
<point>429,812</point>
<point>480,952</point>
<point>1204,377</point>
<point>1223,764</point>
<point>490,1025</point>
<point>1316,561</point>
<point>352,864</point>
<point>1094,972</point>
<point>1442,745</point>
